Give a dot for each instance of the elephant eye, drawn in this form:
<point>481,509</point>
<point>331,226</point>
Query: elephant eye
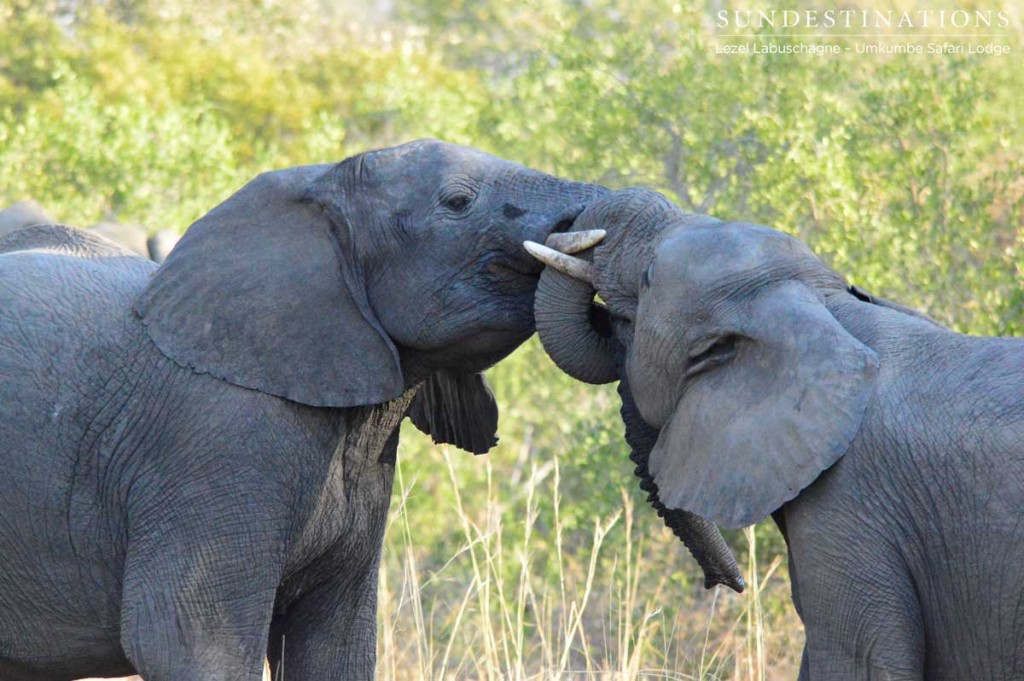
<point>457,202</point>
<point>710,353</point>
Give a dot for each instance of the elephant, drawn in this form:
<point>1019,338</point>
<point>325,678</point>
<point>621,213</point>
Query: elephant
<point>888,449</point>
<point>155,247</point>
<point>198,457</point>
<point>130,236</point>
<point>587,340</point>
<point>160,244</point>
<point>22,214</point>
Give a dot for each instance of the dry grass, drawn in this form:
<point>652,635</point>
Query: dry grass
<point>489,613</point>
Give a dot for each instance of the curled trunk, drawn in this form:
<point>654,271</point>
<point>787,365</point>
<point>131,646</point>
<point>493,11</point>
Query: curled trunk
<point>575,331</point>
<point>701,536</point>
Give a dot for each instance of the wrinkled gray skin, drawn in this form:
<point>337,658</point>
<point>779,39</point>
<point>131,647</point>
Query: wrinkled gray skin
<point>22,214</point>
<point>198,459</point>
<point>761,368</point>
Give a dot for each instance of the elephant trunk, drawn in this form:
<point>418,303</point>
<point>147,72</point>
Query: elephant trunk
<point>587,340</point>
<point>699,535</point>
<point>575,331</point>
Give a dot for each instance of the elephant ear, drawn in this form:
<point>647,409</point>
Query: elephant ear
<point>264,292</point>
<point>457,408</point>
<point>747,435</point>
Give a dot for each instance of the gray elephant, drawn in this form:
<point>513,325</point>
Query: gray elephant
<point>160,244</point>
<point>22,214</point>
<point>156,247</point>
<point>129,236</point>
<point>889,449</point>
<point>198,459</point>
<point>588,340</point>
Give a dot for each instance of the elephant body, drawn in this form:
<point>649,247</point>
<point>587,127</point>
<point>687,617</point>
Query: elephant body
<point>756,381</point>
<point>199,458</point>
<point>904,554</point>
<point>271,506</point>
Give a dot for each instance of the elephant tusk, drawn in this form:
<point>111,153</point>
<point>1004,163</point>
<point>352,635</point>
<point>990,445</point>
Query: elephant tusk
<point>574,242</point>
<point>567,264</point>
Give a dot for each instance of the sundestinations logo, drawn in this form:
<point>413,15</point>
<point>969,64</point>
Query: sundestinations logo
<point>862,19</point>
<point>828,31</point>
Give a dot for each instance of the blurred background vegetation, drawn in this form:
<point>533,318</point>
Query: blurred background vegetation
<point>904,172</point>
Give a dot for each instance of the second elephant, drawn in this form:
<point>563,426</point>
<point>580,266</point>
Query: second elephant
<point>888,449</point>
<point>156,247</point>
<point>22,214</point>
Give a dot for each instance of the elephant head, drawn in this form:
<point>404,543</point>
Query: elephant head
<point>755,386</point>
<point>348,284</point>
<point>723,336</point>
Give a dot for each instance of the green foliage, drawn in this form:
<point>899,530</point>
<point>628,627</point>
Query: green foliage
<point>154,112</point>
<point>903,170</point>
<point>92,159</point>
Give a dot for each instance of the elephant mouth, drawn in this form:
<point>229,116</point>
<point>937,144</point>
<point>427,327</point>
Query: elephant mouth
<point>506,275</point>
<point>521,264</point>
<point>504,265</point>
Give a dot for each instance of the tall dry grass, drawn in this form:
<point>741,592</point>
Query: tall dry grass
<point>492,612</point>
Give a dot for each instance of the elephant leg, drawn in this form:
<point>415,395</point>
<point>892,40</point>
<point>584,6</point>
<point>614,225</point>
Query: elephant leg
<point>330,633</point>
<point>197,608</point>
<point>858,603</point>
<point>861,632</point>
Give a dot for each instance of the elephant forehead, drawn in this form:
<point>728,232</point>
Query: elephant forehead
<point>408,151</point>
<point>734,255</point>
<point>430,154</point>
<point>634,219</point>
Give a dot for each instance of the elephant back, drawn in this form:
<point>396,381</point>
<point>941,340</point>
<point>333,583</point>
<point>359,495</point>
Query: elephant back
<point>63,293</point>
